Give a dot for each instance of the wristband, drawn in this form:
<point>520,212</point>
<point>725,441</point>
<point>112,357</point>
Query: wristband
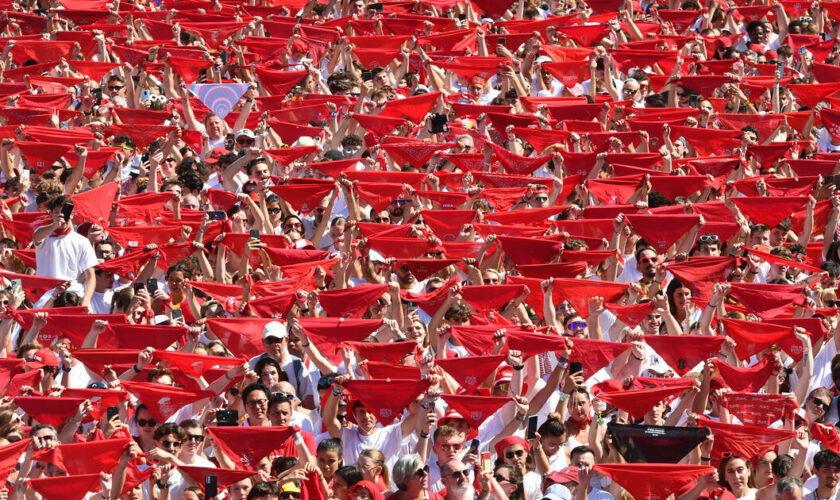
<point>136,370</point>
<point>66,369</point>
<point>336,393</point>
<point>705,459</point>
<point>424,435</point>
<point>564,397</point>
<point>519,416</point>
<point>518,367</point>
<point>563,360</point>
<point>637,359</point>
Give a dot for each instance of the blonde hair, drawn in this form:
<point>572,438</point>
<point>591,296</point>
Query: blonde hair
<point>378,459</point>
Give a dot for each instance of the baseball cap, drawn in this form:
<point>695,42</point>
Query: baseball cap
<point>43,357</point>
<point>275,329</point>
<point>557,492</point>
<point>245,132</point>
<point>215,154</point>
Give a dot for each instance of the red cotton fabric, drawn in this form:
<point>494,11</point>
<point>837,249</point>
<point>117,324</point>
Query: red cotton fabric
<point>246,446</point>
<point>351,302</point>
<point>475,409</point>
<point>639,402</point>
<point>653,481</point>
<point>684,352</point>
<point>662,231</point>
<point>385,398</point>
<point>758,409</point>
<point>163,400</point>
<point>745,441</point>
<point>470,371</point>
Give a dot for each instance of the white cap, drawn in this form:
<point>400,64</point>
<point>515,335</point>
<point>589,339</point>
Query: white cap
<point>246,132</point>
<point>304,141</point>
<point>557,492</point>
<point>275,329</point>
<point>375,256</point>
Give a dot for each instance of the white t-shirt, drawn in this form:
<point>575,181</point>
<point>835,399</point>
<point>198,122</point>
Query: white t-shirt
<point>388,440</point>
<point>65,257</point>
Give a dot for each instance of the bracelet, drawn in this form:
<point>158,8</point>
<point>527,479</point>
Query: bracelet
<point>519,416</point>
<point>136,370</point>
<point>65,369</point>
<point>750,271</point>
<point>637,359</point>
<point>564,397</point>
<point>705,459</point>
<point>161,485</point>
<point>336,393</point>
<point>563,360</point>
<point>424,435</point>
<point>518,367</point>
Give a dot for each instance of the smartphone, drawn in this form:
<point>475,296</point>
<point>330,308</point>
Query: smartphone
<point>112,412</point>
<point>575,366</point>
<point>375,7</point>
<point>15,285</point>
<point>223,55</point>
<point>211,486</point>
<point>151,286</point>
<point>367,75</point>
<point>227,418</point>
<point>67,210</point>
<point>486,465</point>
<point>216,215</point>
<point>439,122</point>
<point>254,233</point>
<point>177,316</point>
<point>474,444</point>
<point>532,428</point>
<point>502,41</point>
<point>145,94</point>
<point>24,175</point>
<point>694,100</point>
<point>138,287</point>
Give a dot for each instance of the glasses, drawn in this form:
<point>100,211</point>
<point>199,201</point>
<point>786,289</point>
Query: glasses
<point>500,478</point>
<point>289,494</point>
<point>631,91</point>
<point>708,238</point>
<point>398,202</point>
<point>257,402</point>
<point>647,260</point>
<point>147,423</point>
<point>170,159</point>
<point>577,325</point>
<point>171,444</point>
<point>197,438</point>
<point>115,88</point>
<point>419,222</point>
<point>541,199</point>
<point>451,447</point>
<point>503,386</point>
<point>514,454</point>
<point>458,474</point>
<point>820,404</point>
<point>48,438</point>
<point>422,472</point>
<point>244,141</point>
<point>380,220</point>
<point>679,94</point>
<point>287,395</point>
<point>274,211</point>
<point>293,225</point>
<point>272,340</point>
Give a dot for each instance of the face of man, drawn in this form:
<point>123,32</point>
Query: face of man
<point>828,476</point>
<point>447,448</point>
<point>275,347</point>
<point>105,251</point>
<point>787,495</point>
<point>760,238</point>
<point>256,405</point>
<point>647,263</point>
<point>281,414</point>
<point>456,478</point>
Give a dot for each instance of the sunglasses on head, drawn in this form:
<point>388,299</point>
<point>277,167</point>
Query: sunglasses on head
<point>147,423</point>
<point>514,454</point>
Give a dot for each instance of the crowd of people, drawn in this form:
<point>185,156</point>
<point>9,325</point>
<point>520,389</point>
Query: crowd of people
<point>419,250</point>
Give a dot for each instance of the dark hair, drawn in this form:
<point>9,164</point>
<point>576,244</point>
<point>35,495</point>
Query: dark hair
<point>256,386</point>
<point>169,428</point>
<point>826,457</point>
<point>553,427</point>
<point>580,450</point>
<point>331,444</point>
<point>350,474</point>
<point>267,361</point>
<point>781,465</point>
<point>282,464</point>
<point>58,201</point>
<point>263,489</point>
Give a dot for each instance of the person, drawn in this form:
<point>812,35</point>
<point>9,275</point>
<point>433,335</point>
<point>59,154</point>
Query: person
<point>62,253</point>
<point>789,488</point>
<point>411,477</point>
<point>456,480</point>
<point>734,474</point>
<point>276,343</point>
<point>826,476</point>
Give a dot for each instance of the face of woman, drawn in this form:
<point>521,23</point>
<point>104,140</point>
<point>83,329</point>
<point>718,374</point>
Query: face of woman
<point>681,296</point>
<point>552,444</point>
<point>764,468</point>
<point>328,462</point>
<point>502,476</point>
<point>737,474</point>
<point>370,471</point>
<point>339,488</point>
<point>269,376</point>
<point>416,332</point>
<point>362,494</point>
<point>579,406</point>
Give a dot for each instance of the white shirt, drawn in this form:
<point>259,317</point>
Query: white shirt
<point>388,440</point>
<point>65,257</point>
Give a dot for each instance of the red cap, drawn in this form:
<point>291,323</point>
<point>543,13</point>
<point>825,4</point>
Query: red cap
<point>213,158</point>
<point>567,475</point>
<point>43,357</point>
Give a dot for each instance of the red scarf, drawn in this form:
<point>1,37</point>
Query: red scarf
<point>56,234</point>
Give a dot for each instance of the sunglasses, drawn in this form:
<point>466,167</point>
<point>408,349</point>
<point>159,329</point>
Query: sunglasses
<point>514,454</point>
<point>541,198</point>
<point>451,447</point>
<point>577,325</point>
<point>245,141</point>
<point>422,472</point>
<point>459,474</point>
<point>398,202</point>
<point>289,494</point>
<point>647,260</point>
<point>820,404</point>
<point>681,95</point>
<point>171,444</point>
<point>503,386</point>
<point>198,438</point>
<point>272,340</point>
<point>500,478</point>
<point>274,211</point>
<point>708,238</point>
<point>419,222</point>
<point>115,88</point>
<point>631,91</point>
<point>293,225</point>
<point>257,402</point>
<point>380,220</point>
<point>147,423</point>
